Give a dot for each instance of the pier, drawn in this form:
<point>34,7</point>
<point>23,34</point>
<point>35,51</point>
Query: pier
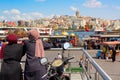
<point>107,70</point>
<point>111,69</point>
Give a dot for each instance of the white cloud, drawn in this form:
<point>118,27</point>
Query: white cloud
<point>26,16</point>
<point>117,7</point>
<point>15,14</point>
<point>12,11</point>
<point>6,12</point>
<point>16,17</point>
<point>2,17</point>
<point>74,8</point>
<point>15,11</point>
<point>36,15</point>
<point>93,4</point>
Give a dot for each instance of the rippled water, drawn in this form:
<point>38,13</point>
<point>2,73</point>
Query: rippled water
<point>81,34</point>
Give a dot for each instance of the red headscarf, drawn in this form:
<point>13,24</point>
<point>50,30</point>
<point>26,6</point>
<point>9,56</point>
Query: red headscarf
<point>12,38</point>
<point>34,35</point>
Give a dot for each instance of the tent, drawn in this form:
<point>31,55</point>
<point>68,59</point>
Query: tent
<point>111,43</point>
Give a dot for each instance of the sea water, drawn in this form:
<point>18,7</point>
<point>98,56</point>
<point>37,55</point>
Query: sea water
<point>81,34</point>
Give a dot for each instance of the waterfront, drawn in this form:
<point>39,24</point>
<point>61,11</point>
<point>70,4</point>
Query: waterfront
<point>84,15</point>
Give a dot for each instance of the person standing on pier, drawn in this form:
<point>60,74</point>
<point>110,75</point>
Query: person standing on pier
<point>11,53</point>
<point>113,54</point>
<point>33,47</point>
<point>85,45</point>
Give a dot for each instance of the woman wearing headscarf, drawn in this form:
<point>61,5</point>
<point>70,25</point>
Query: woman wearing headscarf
<point>12,54</point>
<point>34,51</point>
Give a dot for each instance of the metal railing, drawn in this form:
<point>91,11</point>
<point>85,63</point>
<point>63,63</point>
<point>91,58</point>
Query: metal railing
<point>88,60</point>
<point>98,69</point>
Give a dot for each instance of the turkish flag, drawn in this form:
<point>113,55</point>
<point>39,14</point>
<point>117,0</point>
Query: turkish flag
<point>86,28</point>
<point>46,32</point>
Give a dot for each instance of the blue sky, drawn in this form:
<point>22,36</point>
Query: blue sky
<point>35,9</point>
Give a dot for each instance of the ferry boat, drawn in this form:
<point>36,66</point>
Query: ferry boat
<point>43,31</point>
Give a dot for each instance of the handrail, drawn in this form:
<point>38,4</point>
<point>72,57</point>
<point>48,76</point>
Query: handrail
<point>103,74</point>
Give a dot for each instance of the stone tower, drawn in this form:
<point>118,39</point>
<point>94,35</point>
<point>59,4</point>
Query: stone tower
<point>77,13</point>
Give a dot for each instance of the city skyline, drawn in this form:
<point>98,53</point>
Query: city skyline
<point>36,9</point>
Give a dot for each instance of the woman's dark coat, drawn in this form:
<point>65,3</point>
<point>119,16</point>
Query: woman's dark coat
<point>11,67</point>
<point>33,69</point>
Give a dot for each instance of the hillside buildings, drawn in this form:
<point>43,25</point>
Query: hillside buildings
<point>76,22</point>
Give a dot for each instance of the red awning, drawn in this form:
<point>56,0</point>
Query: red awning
<point>111,43</point>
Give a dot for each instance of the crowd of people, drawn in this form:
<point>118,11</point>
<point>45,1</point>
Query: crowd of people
<point>91,44</point>
<point>12,52</point>
<point>107,52</point>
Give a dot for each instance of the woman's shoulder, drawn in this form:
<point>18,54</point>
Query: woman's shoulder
<point>25,41</point>
<point>18,45</point>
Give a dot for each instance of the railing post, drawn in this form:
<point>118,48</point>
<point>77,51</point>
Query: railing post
<point>70,69</point>
<point>96,76</point>
<point>69,65</point>
<point>88,67</point>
